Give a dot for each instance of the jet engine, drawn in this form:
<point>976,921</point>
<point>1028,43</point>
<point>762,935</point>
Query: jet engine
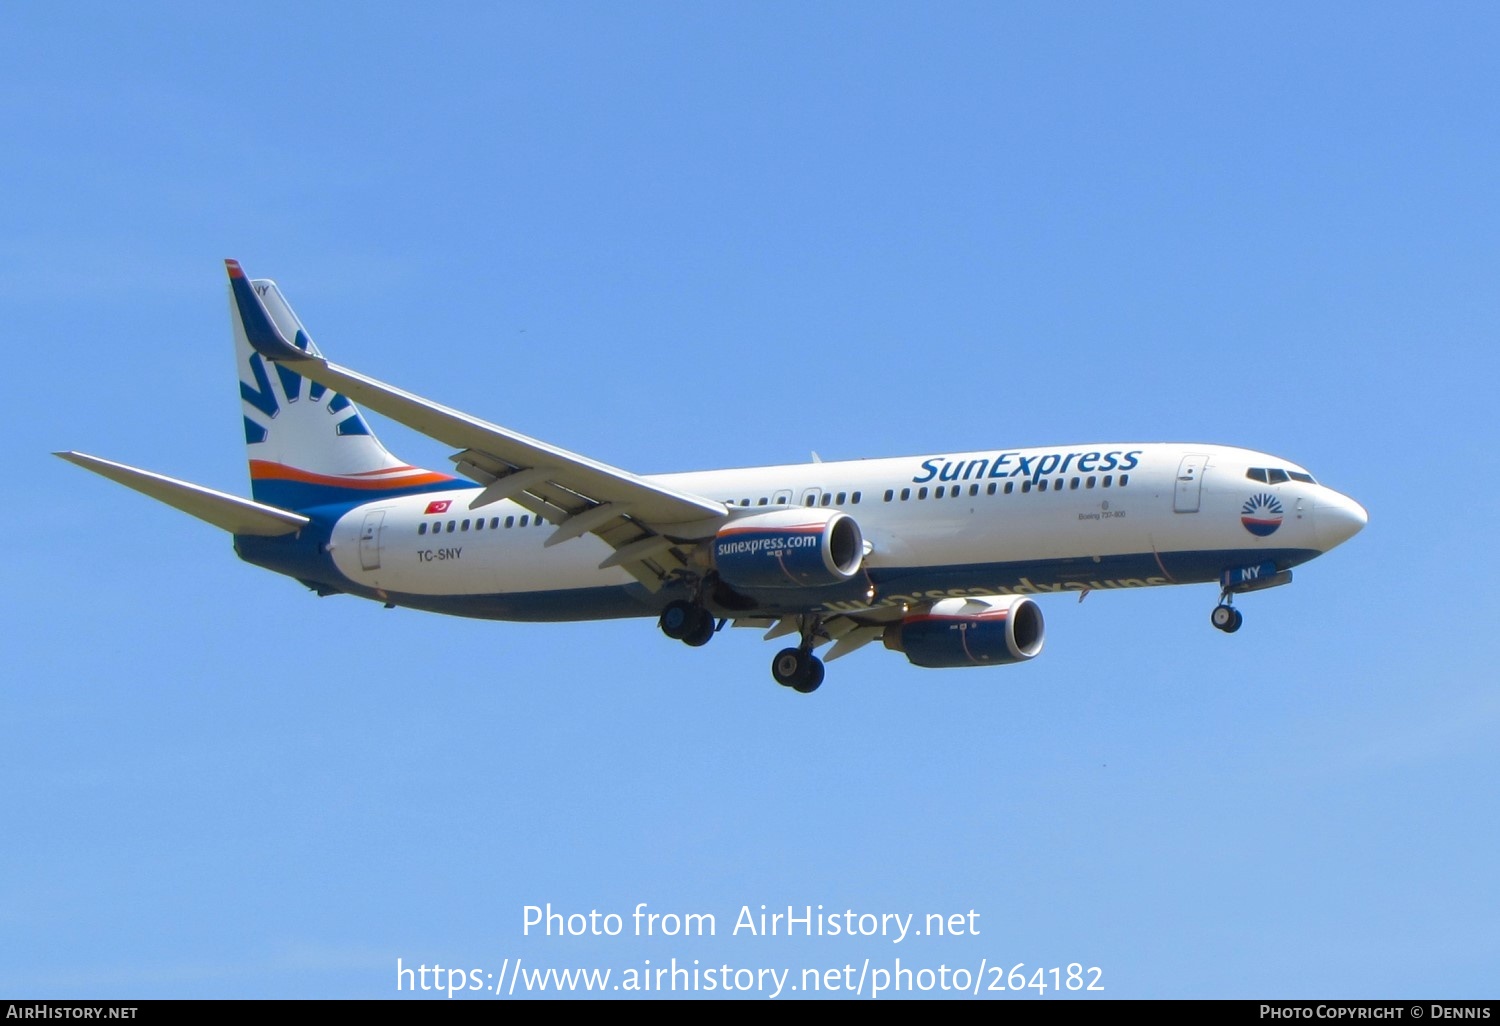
<point>978,631</point>
<point>789,548</point>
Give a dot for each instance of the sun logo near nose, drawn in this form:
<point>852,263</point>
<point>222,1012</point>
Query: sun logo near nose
<point>1261,514</point>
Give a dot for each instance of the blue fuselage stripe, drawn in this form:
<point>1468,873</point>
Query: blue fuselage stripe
<point>305,558</point>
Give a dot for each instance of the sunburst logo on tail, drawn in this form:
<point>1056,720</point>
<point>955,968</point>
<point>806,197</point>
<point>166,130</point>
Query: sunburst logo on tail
<point>1261,514</point>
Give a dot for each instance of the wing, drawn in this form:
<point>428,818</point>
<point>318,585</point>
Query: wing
<point>232,513</point>
<point>641,520</point>
<point>847,632</point>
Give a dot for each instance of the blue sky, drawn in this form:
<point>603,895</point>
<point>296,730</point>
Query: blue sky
<point>678,236</point>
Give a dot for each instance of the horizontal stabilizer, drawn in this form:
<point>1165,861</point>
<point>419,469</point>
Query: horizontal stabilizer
<point>232,513</point>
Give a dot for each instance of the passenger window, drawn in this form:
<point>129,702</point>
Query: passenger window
<point>890,494</point>
<point>762,501</point>
<point>1042,485</point>
<point>494,523</point>
<point>827,498</point>
<point>523,521</point>
<point>922,493</point>
<point>422,528</point>
<point>1124,480</point>
<point>854,498</point>
<point>905,494</point>
<point>1109,479</point>
<point>973,490</point>
<point>841,497</point>
<point>510,521</point>
<point>1010,486</point>
<point>1090,483</point>
<point>1025,486</point>
<point>479,524</point>
<point>991,489</point>
<point>452,525</point>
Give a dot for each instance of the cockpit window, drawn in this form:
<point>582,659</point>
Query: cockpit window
<point>1277,475</point>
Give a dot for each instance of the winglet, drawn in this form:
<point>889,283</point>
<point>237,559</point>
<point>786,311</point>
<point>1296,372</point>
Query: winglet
<point>260,330</point>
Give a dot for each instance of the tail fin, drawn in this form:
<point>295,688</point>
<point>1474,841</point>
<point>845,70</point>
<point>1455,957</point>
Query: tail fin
<point>308,446</point>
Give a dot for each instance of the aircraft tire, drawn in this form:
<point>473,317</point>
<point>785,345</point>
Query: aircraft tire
<point>701,632</point>
<point>787,666</point>
<point>677,620</point>
<point>812,678</point>
<point>801,671</point>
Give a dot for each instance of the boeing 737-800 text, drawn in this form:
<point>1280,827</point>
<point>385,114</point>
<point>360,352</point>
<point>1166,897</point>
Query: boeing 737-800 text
<point>937,556</point>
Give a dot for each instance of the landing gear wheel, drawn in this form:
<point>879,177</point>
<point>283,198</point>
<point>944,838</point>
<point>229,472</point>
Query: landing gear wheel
<point>786,666</point>
<point>1227,618</point>
<point>677,619</point>
<point>814,679</point>
<point>702,630</point>
<point>796,669</point>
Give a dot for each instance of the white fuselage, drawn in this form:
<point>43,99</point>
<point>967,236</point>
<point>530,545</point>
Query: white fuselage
<point>1048,519</point>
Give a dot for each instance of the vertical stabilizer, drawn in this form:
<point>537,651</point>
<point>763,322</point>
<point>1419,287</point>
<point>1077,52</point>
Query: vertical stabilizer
<point>308,445</point>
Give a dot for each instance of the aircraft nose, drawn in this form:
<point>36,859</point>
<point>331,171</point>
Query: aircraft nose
<point>1338,518</point>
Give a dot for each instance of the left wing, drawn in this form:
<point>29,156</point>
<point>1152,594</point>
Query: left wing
<point>641,520</point>
<point>847,632</point>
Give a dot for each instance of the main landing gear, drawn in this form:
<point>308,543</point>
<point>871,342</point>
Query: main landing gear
<point>1225,617</point>
<point>688,623</point>
<point>797,669</point>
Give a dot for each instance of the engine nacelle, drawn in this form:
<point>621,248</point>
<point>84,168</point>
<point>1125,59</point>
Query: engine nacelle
<point>980,631</point>
<point>789,548</point>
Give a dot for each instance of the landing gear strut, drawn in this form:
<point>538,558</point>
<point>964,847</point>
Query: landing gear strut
<point>1225,617</point>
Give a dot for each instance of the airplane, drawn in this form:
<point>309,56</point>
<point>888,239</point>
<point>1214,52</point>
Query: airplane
<point>940,557</point>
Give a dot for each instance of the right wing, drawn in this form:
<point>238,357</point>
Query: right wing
<point>641,520</point>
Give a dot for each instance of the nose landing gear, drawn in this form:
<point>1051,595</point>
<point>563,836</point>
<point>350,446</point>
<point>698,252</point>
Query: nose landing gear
<point>1225,617</point>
